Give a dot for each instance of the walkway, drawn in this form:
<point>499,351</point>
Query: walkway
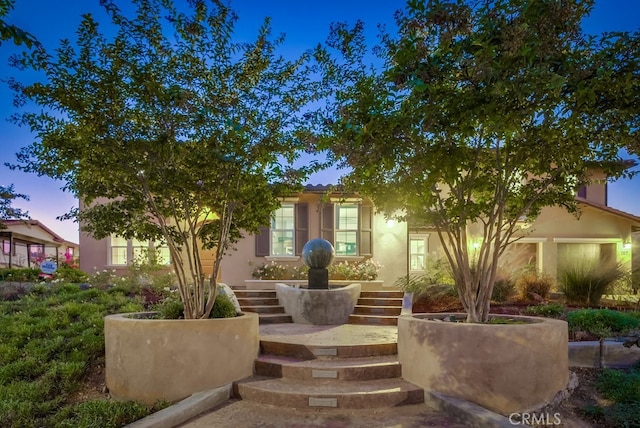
<point>319,339</point>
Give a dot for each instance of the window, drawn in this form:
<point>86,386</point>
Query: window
<point>118,251</point>
<point>124,251</point>
<point>346,232</point>
<point>582,192</point>
<point>6,247</point>
<point>69,252</point>
<point>287,233</point>
<point>283,231</point>
<point>349,227</point>
<point>418,249</point>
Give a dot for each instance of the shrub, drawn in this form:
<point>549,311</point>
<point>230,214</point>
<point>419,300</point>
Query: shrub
<point>503,288</point>
<point>11,292</point>
<point>584,282</point>
<point>530,284</point>
<point>67,273</point>
<point>271,270</point>
<point>103,279</point>
<point>366,270</point>
<point>223,308</point>
<point>19,274</point>
<point>549,310</point>
<point>172,309</point>
<point>602,322</point>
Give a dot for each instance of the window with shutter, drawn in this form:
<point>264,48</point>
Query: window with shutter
<point>287,234</point>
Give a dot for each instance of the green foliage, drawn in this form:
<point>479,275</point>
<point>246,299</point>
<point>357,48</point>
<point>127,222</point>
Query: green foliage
<point>67,273</point>
<point>585,281</point>
<point>483,113</point>
<point>223,308</point>
<point>530,284</point>
<point>504,288</point>
<point>623,389</point>
<point>170,130</point>
<point>48,341</point>
<point>365,270</point>
<point>172,309</point>
<point>11,32</point>
<point>100,414</point>
<point>8,194</point>
<point>435,281</point>
<point>603,322</point>
<point>548,310</point>
<point>19,274</point>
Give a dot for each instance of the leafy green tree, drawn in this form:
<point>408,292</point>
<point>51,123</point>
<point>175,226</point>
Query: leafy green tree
<point>170,130</point>
<point>11,32</point>
<point>482,113</point>
<point>7,197</point>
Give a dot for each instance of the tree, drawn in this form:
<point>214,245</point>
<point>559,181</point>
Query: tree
<point>7,212</point>
<point>170,130</point>
<point>482,113</point>
<point>11,32</point>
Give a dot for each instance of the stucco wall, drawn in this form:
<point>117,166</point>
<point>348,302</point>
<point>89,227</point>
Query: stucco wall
<point>149,360</point>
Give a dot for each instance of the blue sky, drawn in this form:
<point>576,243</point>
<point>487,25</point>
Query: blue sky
<point>305,24</point>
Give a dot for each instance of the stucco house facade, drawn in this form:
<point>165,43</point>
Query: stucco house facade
<point>25,243</point>
<point>358,232</point>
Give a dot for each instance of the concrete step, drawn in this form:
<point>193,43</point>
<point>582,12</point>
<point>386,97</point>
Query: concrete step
<point>258,301</point>
<point>348,369</point>
<point>367,301</point>
<point>274,319</point>
<point>377,310</point>
<point>310,352</point>
<point>373,319</point>
<point>262,309</point>
<point>265,294</point>
<point>382,294</point>
<point>319,393</point>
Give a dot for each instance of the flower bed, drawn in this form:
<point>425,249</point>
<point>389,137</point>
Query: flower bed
<point>365,270</point>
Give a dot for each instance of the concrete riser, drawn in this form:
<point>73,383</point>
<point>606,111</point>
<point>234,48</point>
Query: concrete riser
<point>382,294</point>
<point>373,320</point>
<point>245,294</point>
<point>301,400</point>
<point>397,303</point>
<point>274,319</point>
<point>372,372</point>
<point>308,352</point>
<point>263,309</point>
<point>377,310</point>
<point>258,301</point>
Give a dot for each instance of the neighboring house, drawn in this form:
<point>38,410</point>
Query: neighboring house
<point>26,243</point>
<point>117,253</point>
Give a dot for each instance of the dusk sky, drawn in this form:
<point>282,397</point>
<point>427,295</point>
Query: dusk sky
<point>305,24</point>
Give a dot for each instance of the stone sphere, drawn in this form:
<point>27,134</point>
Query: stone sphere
<point>318,253</point>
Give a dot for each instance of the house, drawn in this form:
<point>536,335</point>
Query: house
<point>25,243</point>
<point>358,233</point>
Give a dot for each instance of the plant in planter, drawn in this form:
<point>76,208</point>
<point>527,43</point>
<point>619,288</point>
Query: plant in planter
<point>479,119</point>
<point>170,131</point>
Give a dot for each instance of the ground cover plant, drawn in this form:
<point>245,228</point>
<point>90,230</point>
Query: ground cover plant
<point>51,341</point>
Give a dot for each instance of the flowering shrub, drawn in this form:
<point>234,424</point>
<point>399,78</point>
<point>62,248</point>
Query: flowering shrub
<point>366,270</point>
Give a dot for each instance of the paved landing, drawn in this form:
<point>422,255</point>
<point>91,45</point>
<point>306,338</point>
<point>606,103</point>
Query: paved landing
<point>329,335</point>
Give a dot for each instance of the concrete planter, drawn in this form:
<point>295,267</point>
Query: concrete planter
<point>504,368</point>
<point>319,307</point>
<point>147,360</point>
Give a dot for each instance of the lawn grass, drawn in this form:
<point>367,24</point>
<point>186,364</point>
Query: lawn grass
<point>49,339</point>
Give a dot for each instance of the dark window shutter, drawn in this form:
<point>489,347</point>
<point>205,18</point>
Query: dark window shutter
<point>262,242</point>
<point>302,226</point>
<point>326,223</point>
<point>366,230</point>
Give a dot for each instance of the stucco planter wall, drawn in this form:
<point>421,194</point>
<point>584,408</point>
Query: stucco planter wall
<point>504,368</point>
<point>269,284</point>
<point>147,360</point>
<point>320,307</point>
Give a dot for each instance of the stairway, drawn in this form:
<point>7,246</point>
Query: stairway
<point>377,308</point>
<point>264,303</point>
<point>349,376</point>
